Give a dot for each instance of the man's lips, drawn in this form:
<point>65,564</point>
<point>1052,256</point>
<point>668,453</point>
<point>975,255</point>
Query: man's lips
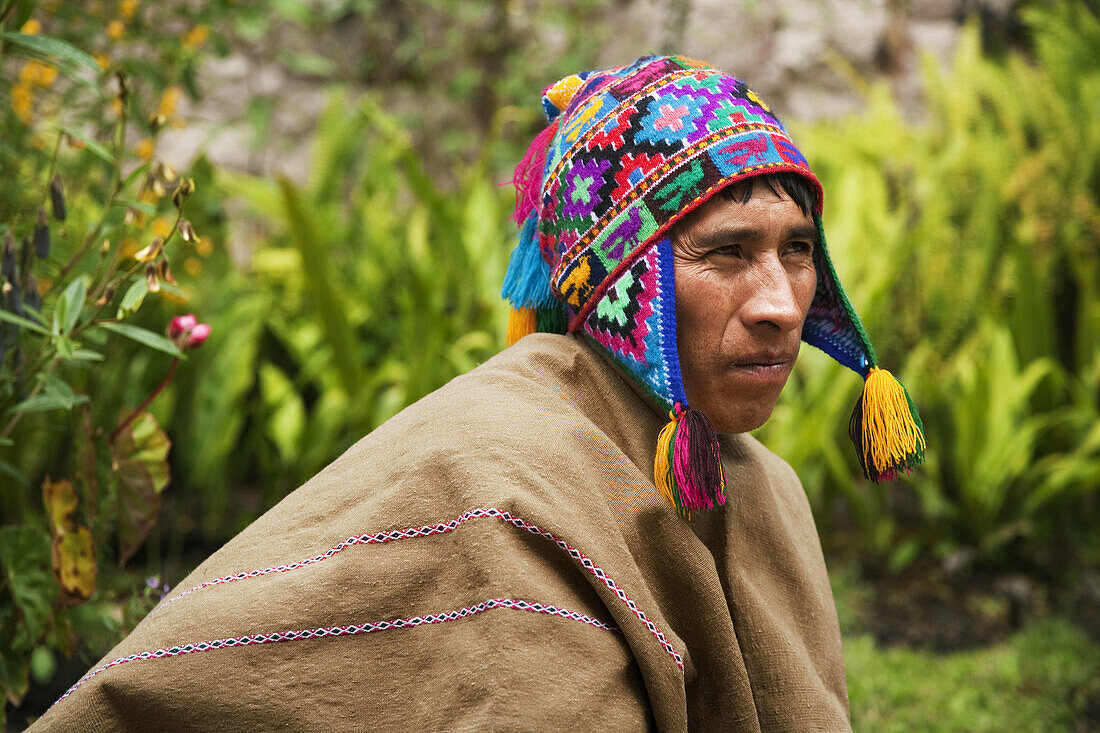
<point>766,367</point>
<point>765,359</point>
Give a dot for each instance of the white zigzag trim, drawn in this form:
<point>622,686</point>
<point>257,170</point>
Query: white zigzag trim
<point>443,528</point>
<point>354,629</point>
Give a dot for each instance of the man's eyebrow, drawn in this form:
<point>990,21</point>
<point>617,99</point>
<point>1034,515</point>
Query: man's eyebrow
<point>725,234</point>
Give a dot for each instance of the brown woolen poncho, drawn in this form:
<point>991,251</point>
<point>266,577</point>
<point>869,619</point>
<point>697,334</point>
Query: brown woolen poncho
<point>511,567</point>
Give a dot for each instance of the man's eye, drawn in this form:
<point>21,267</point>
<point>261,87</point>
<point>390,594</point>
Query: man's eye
<point>728,250</point>
<point>800,248</point>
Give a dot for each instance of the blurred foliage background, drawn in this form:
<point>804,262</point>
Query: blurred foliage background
<point>967,234</point>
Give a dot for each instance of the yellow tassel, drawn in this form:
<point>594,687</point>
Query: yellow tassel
<point>662,466</point>
<point>890,435</point>
<point>521,321</point>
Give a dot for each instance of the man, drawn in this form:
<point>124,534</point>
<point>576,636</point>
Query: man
<point>560,539</point>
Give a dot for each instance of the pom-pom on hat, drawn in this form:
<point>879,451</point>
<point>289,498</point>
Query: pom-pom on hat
<point>628,152</point>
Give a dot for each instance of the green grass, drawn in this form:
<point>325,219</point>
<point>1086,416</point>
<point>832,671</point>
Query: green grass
<point>1040,679</point>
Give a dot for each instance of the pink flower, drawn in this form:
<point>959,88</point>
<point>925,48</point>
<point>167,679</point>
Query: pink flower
<point>187,333</point>
<point>181,325</point>
<point>198,336</point>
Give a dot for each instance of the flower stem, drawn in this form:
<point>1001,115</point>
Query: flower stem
<point>148,401</point>
<point>112,191</point>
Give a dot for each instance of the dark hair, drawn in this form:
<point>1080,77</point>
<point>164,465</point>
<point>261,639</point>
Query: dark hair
<point>796,187</point>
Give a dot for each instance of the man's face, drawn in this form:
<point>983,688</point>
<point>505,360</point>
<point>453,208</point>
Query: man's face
<point>744,281</point>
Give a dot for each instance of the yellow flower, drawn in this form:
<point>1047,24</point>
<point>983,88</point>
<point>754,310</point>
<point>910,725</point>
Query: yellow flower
<point>22,103</point>
<point>196,36</point>
<point>204,246</point>
<point>115,29</point>
<point>35,73</point>
<point>168,101</point>
<point>32,27</point>
<point>161,227</point>
<point>127,8</point>
<point>192,266</point>
<point>46,75</point>
<point>130,247</point>
<point>28,73</point>
<point>103,60</point>
<point>144,149</point>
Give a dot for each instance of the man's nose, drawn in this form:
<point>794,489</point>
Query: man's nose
<point>772,302</point>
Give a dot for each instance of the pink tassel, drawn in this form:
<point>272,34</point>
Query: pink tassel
<point>528,175</point>
<point>691,496</point>
<point>696,463</point>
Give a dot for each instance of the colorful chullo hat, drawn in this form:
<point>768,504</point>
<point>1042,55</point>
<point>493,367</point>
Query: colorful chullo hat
<point>628,152</point>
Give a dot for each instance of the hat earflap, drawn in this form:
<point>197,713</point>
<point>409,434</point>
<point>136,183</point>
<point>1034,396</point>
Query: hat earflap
<point>885,427</point>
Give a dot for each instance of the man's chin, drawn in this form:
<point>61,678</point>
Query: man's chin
<point>741,421</point>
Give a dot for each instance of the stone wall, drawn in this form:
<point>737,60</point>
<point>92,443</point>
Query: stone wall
<point>805,57</point>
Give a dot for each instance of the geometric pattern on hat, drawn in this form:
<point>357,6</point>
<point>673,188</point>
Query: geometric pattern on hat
<point>636,148</point>
<point>633,319</point>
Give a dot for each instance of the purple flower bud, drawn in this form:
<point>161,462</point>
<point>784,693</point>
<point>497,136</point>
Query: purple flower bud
<point>42,235</point>
<point>7,257</point>
<point>57,198</point>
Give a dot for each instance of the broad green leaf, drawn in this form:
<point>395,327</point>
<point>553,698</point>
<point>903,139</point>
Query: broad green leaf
<point>47,402</point>
<point>146,443</point>
<point>287,417</point>
<point>74,566</point>
<point>71,303</point>
<point>60,502</point>
<point>25,556</point>
<point>140,460</point>
<point>87,355</point>
<point>52,385</point>
<point>22,322</point>
<point>133,298</point>
<point>65,348</point>
<point>143,336</point>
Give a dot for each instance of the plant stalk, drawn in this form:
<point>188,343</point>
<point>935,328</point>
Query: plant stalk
<point>148,401</point>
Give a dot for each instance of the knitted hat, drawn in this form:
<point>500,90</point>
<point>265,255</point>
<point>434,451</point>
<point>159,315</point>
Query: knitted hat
<point>628,152</point>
